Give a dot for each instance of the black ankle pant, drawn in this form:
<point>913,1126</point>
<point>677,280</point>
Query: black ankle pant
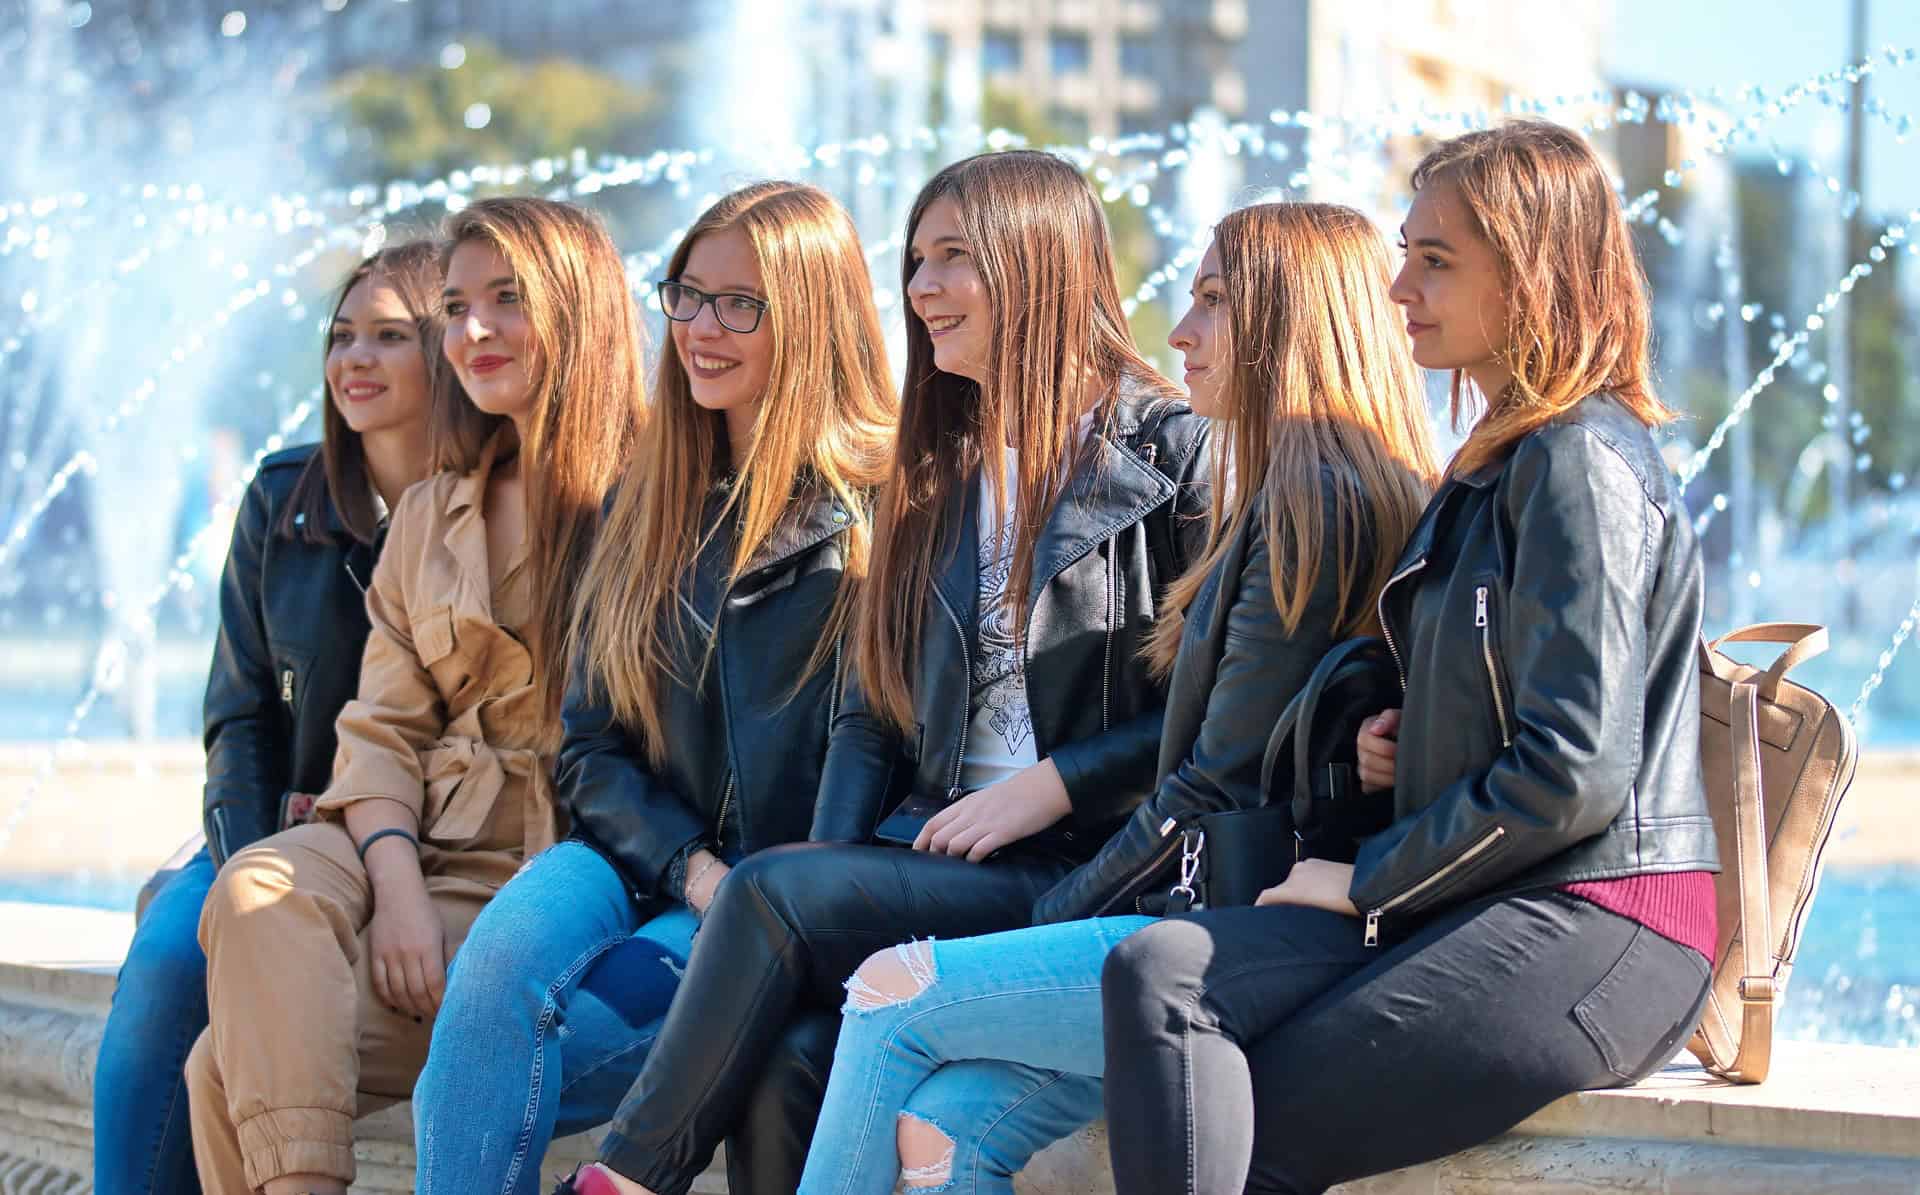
<point>1268,1050</point>
<point>786,928</point>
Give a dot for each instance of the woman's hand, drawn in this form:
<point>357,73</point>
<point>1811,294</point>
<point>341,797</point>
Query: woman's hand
<point>706,871</point>
<point>406,942</point>
<point>1378,748</point>
<point>1315,884</point>
<point>980,823</point>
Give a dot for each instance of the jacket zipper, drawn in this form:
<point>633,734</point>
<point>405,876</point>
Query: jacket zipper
<point>1106,667</point>
<point>1467,856</point>
<point>966,660</point>
<point>286,686</point>
<point>1380,606</point>
<point>1152,865</point>
<point>1486,649</point>
<point>833,692</point>
<point>726,803</point>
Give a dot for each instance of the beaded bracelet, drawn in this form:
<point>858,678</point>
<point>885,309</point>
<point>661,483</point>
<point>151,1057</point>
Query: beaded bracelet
<point>377,835</point>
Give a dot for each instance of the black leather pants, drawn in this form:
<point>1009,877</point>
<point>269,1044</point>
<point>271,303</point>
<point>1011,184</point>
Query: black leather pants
<point>767,1151</point>
<point>785,930</point>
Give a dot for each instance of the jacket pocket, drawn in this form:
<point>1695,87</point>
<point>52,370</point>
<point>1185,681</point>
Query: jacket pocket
<point>433,635</point>
<point>1644,1008</point>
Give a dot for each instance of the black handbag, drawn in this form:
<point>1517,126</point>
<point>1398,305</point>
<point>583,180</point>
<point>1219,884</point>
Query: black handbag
<point>1229,858</point>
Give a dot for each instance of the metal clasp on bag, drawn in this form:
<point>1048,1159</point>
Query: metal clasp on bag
<point>1182,896</point>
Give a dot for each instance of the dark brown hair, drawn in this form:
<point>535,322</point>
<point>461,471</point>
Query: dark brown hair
<point>337,475</point>
<point>1061,348</point>
<point>1577,309</point>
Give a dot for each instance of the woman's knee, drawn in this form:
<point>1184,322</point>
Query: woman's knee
<point>926,1153</point>
<point>891,977</point>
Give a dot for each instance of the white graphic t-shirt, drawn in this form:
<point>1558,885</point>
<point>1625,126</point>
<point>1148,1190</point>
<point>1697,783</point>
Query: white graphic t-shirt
<point>1000,732</point>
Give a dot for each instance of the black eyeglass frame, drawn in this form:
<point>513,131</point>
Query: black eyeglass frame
<point>759,305</point>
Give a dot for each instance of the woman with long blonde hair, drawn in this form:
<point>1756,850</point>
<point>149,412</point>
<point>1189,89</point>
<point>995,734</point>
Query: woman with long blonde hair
<point>1538,916</point>
<point>965,1057</point>
<point>706,661</point>
<point>1031,521</point>
<point>327,944</point>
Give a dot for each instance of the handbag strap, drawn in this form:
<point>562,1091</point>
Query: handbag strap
<point>1804,641</point>
<point>1757,989</point>
<point>1342,659</point>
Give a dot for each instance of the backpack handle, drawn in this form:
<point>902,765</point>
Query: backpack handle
<point>1804,641</point>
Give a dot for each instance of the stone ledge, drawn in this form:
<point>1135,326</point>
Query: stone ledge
<point>1835,1119</point>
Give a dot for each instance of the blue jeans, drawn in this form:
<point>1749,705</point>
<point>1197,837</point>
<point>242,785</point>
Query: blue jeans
<point>552,1003</point>
<point>1000,1052</point>
<point>140,1141</point>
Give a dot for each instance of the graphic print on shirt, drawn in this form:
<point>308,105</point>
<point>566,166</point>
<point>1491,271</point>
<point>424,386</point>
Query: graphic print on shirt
<point>999,685</point>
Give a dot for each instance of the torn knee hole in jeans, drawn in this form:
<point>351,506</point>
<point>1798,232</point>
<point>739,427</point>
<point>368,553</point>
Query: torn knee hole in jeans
<point>926,1154</point>
<point>891,977</point>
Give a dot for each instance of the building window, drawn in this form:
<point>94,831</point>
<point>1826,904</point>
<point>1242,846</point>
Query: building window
<point>1136,56</point>
<point>1071,53</point>
<point>1000,50</point>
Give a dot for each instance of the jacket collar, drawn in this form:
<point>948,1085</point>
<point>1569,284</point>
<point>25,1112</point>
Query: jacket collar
<point>466,532</point>
<point>1111,487</point>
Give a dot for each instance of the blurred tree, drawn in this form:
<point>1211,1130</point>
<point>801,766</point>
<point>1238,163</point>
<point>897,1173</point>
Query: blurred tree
<point>420,122</point>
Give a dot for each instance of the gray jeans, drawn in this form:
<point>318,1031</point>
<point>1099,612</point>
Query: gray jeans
<point>1268,1050</point>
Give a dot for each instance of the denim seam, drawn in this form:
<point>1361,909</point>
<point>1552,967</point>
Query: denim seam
<point>173,1103</point>
<point>911,1011</point>
<point>987,1129</point>
<point>523,1143</point>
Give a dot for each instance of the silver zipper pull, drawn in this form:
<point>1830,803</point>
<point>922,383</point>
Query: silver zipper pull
<point>1373,928</point>
<point>1167,826</point>
<point>955,793</point>
<point>286,685</point>
<point>1480,606</point>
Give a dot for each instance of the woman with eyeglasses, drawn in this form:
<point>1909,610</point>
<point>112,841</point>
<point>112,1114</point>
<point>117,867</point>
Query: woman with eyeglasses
<point>706,661</point>
<point>1045,489</point>
<point>327,944</point>
<point>293,616</point>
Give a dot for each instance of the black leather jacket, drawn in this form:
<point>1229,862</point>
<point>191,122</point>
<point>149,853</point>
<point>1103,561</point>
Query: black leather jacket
<point>1123,528</point>
<point>1545,612</point>
<point>1236,671</point>
<point>744,749</point>
<point>293,622</point>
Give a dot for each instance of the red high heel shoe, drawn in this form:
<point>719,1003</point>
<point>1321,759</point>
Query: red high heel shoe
<point>589,1179</point>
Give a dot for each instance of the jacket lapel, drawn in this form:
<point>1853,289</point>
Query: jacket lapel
<point>1110,489</point>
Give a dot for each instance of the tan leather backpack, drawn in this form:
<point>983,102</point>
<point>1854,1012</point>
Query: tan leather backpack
<point>1778,758</point>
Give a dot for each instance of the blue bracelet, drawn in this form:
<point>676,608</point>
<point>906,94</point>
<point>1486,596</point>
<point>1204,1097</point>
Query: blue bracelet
<point>377,835</point>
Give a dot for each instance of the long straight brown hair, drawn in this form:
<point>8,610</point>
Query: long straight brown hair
<point>1577,309</point>
<point>588,398</point>
<point>1061,348</point>
<point>1322,391</point>
<point>824,428</point>
<point>337,474</point>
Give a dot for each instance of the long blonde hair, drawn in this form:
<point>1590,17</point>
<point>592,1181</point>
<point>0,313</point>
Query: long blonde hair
<point>1322,392</point>
<point>588,403</point>
<point>1061,348</point>
<point>824,426</point>
<point>1577,309</point>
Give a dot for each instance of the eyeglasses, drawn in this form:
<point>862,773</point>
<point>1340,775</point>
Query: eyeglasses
<point>736,313</point>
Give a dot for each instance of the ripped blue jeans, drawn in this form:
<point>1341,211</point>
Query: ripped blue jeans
<point>999,1051</point>
<point>552,1003</point>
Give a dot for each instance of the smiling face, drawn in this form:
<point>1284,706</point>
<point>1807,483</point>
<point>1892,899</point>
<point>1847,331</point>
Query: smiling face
<point>727,371</point>
<point>947,294</point>
<point>1200,337</point>
<point>1450,286</point>
<point>488,340</point>
<point>376,367</point>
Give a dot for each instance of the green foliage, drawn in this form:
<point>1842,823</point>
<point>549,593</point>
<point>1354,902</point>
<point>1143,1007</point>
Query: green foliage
<point>414,121</point>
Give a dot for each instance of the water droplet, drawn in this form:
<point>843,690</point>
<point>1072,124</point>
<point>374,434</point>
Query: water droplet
<point>1748,311</point>
<point>477,116</point>
<point>233,24</point>
<point>453,56</point>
